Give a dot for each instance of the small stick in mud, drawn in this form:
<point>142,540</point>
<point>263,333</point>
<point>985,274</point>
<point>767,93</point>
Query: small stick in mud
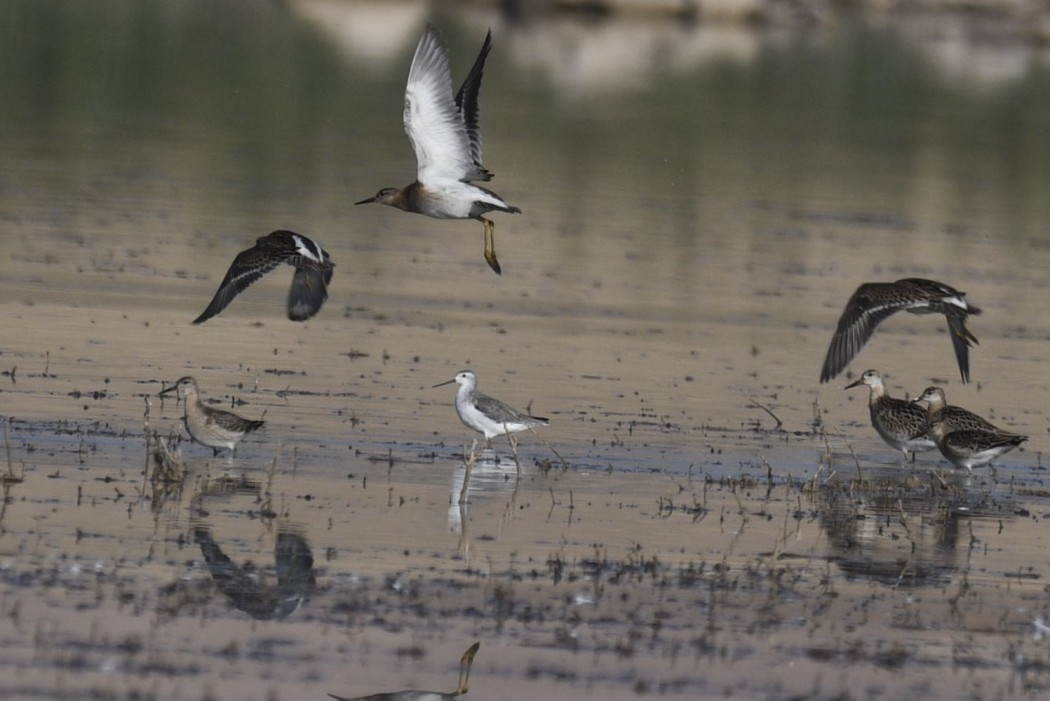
<point>7,446</point>
<point>514,450</point>
<point>564,465</point>
<point>826,460</point>
<point>770,412</point>
<point>266,502</point>
<point>856,461</point>
<point>10,477</point>
<point>149,442</point>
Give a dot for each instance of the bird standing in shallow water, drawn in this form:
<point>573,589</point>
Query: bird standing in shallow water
<point>901,423</point>
<point>964,438</point>
<point>313,271</point>
<point>872,302</point>
<point>211,427</point>
<point>485,414</point>
<point>447,140</point>
<point>973,447</point>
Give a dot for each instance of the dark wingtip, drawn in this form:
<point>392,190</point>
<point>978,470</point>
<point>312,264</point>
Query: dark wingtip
<point>962,341</point>
<point>827,371</point>
<point>308,292</point>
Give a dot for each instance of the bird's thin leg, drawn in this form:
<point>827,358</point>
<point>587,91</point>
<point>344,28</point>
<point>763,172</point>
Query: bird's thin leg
<point>464,669</point>
<point>469,459</point>
<point>490,246</point>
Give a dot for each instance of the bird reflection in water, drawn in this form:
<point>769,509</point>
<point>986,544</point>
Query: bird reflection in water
<point>903,532</point>
<point>479,475</point>
<point>415,695</point>
<point>255,593</point>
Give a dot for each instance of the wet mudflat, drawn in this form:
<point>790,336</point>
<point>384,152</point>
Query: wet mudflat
<point>725,526</point>
<point>353,575</point>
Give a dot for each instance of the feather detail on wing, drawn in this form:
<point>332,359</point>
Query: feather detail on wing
<point>431,118</point>
<point>308,292</point>
<point>497,410</point>
<point>467,104</point>
<point>855,328</point>
<point>246,268</point>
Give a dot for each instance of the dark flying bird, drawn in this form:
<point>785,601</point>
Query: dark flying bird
<point>874,301</point>
<point>313,271</point>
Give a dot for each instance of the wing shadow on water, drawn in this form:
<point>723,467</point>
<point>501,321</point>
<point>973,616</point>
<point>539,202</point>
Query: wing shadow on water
<point>261,594</point>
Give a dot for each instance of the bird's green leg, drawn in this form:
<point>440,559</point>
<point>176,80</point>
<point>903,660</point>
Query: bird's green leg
<point>464,669</point>
<point>490,246</point>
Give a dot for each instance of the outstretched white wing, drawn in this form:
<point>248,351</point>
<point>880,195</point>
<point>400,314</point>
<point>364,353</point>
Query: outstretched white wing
<point>432,121</point>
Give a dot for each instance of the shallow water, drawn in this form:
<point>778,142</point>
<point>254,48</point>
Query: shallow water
<point>691,229</point>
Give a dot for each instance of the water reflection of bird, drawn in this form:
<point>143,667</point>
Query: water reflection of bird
<point>872,302</point>
<point>901,423</point>
<point>896,529</point>
<point>964,438</point>
<point>465,663</point>
<point>248,590</point>
<point>485,414</point>
<point>313,271</point>
<point>446,138</point>
<point>211,427</point>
